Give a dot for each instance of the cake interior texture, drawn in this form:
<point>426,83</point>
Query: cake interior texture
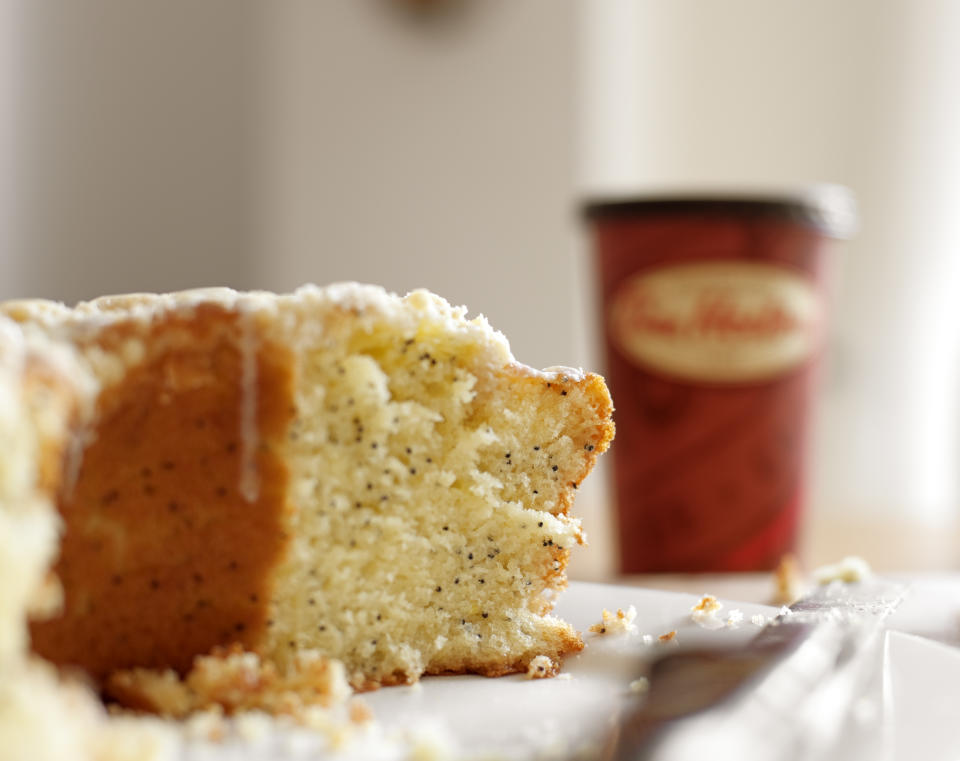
<point>338,470</point>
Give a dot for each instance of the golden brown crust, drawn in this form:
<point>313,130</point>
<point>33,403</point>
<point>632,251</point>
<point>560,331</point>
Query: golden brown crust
<point>567,642</point>
<point>595,433</point>
<point>162,549</point>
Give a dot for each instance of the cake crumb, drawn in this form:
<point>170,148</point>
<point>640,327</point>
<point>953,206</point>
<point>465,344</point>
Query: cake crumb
<point>670,636</point>
<point>253,726</point>
<point>126,738</point>
<point>848,570</point>
<point>735,618</point>
<point>208,724</point>
<point>787,581</point>
<point>616,623</point>
<point>704,613</point>
<point>758,619</point>
<point>359,711</point>
<point>707,604</point>
<point>640,686</point>
<point>431,743</point>
<point>541,667</point>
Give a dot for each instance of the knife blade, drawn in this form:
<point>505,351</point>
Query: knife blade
<point>784,696</point>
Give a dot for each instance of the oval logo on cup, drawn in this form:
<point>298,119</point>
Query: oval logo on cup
<point>720,322</point>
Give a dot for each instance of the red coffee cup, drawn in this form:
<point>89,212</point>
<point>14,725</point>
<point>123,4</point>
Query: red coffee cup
<point>713,312</point>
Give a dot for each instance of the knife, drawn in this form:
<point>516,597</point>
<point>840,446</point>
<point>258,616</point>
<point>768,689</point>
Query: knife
<point>784,696</point>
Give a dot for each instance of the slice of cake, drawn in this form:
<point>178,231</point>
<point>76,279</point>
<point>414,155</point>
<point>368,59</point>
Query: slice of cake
<point>337,469</point>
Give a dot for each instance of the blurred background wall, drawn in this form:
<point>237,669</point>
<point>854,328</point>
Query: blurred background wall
<point>425,150</point>
<point>160,145</point>
<point>135,146</point>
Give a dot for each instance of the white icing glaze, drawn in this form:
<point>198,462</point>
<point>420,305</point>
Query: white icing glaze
<point>88,317</point>
<point>560,371</point>
<point>249,483</point>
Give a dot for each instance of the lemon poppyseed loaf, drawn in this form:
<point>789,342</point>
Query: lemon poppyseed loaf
<point>336,469</point>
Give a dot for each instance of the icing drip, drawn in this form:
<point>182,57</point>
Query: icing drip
<point>74,460</point>
<point>249,434</point>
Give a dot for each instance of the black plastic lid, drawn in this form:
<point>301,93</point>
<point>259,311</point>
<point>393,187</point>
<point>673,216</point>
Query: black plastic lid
<point>829,208</point>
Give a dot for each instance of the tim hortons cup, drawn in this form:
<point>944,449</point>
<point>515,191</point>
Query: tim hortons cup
<point>714,315</point>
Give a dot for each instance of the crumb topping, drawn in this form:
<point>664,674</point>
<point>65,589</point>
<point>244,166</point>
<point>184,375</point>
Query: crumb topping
<point>232,680</point>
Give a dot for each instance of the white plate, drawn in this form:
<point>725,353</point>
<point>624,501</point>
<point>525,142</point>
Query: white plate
<point>514,717</point>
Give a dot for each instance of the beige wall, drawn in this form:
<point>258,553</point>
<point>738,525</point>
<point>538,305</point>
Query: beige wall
<point>9,96</point>
<point>134,142</point>
<point>165,145</point>
<point>435,153</point>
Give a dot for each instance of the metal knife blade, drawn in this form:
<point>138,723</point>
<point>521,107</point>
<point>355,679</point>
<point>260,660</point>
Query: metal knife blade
<point>783,696</point>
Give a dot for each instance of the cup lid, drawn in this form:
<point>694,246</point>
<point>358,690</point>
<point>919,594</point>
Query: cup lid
<point>829,208</point>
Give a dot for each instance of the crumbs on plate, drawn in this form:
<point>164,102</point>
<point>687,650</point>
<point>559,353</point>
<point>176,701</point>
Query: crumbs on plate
<point>704,613</point>
<point>542,667</point>
<point>850,569</point>
<point>787,581</point>
<point>620,622</point>
<point>639,686</point>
